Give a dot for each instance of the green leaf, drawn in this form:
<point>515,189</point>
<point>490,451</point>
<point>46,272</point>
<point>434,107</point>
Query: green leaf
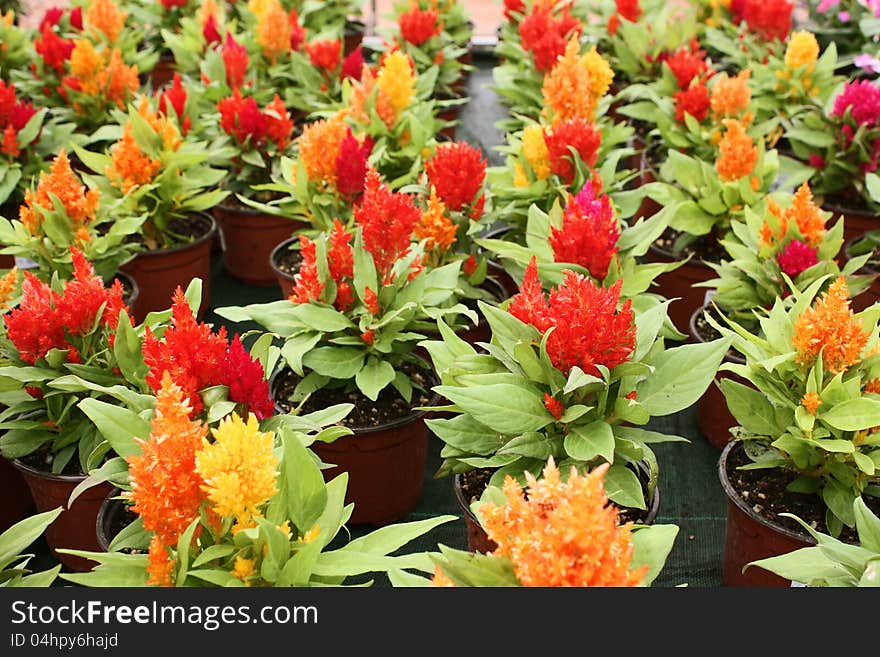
<point>852,414</point>
<point>20,535</point>
<point>622,486</point>
<point>335,362</point>
<point>304,483</point>
<point>119,425</point>
<point>868,526</point>
<point>503,407</point>
<point>681,376</point>
<point>587,442</point>
<point>296,347</point>
<point>651,547</point>
<point>374,377</point>
<point>750,407</point>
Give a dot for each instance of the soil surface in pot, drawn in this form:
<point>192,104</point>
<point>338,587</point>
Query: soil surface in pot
<point>190,230</point>
<point>42,460</point>
<point>705,249</point>
<point>121,517</point>
<point>288,261</point>
<point>389,406</point>
<point>707,333</point>
<point>764,491</point>
<point>474,482</point>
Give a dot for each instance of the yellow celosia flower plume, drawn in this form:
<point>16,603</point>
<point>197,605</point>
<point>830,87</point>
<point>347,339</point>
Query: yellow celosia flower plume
<point>573,87</point>
<point>239,469</point>
<point>397,81</point>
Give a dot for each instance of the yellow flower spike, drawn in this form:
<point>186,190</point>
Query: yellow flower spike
<point>8,18</point>
<point>575,84</point>
<point>7,287</point>
<point>243,569</point>
<point>519,176</point>
<point>397,80</point>
<point>312,534</point>
<point>802,50</point>
<point>535,150</point>
<point>239,469</point>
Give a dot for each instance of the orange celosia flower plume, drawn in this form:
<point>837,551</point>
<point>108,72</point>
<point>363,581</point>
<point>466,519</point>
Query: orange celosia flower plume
<point>731,97</point>
<point>165,487</point>
<point>435,227</point>
<point>273,31</point>
<point>130,167</point>
<point>829,329</point>
<point>8,285</point>
<point>319,147</point>
<point>807,215</point>
<point>79,204</point>
<point>562,533</point>
<point>573,87</point>
<point>102,74</point>
<point>737,152</point>
<point>104,16</point>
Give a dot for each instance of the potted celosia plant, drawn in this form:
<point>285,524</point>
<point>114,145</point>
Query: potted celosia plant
<point>23,149</point>
<point>422,33</point>
<point>772,250</point>
<point>832,562</point>
<point>60,345</point>
<point>745,31</point>
<point>158,18</point>
<point>393,106</point>
<point>545,163</point>
<point>239,514</point>
<point>159,174</point>
<point>552,533</point>
<point>197,32</point>
<point>575,377</point>
<point>587,236</point>
<point>333,17</point>
<point>841,141</point>
<point>60,212</point>
<point>361,302</point>
<point>805,434</point>
<point>528,51</point>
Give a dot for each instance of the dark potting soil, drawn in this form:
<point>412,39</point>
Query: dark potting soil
<point>705,249</point>
<point>42,460</point>
<point>707,333</point>
<point>765,492</point>
<point>288,261</point>
<point>388,407</point>
<point>121,516</point>
<point>474,482</point>
<point>187,230</point>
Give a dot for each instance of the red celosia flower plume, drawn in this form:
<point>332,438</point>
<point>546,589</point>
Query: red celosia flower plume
<point>578,134</point>
<point>628,9</point>
<point>174,96</point>
<point>325,53</point>
<point>279,125</point>
<point>771,19</point>
<point>387,220</point>
<point>44,318</point>
<point>513,6</point>
<point>297,31</point>
<point>210,32</point>
<point>307,287</point>
<point>589,233</point>
<point>353,65</point>
<point>588,328</point>
<point>54,50</point>
<point>694,100</point>
<point>189,351</point>
<point>51,18</point>
<point>417,26</point>
<point>796,258</point>
<point>862,99</point>
<point>457,171</point>
<point>241,118</point>
<point>235,58</point>
<point>351,165</point>
<point>245,378</point>
<point>545,36</point>
<point>687,63</point>
<point>340,258</point>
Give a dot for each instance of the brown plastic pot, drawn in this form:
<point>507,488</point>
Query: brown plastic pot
<point>479,541</point>
<point>111,509</point>
<point>285,280</point>
<point>163,72</point>
<point>714,419</point>
<point>17,502</point>
<point>353,35</point>
<point>679,283</point>
<point>7,261</point>
<point>385,466</point>
<point>855,222</point>
<point>749,536</point>
<point>74,529</point>
<point>159,273</point>
<point>249,237</point>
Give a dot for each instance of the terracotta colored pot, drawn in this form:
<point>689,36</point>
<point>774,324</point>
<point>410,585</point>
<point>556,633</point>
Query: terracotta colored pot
<point>7,261</point>
<point>75,528</point>
<point>249,237</point>
<point>17,502</point>
<point>679,284</point>
<point>479,541</point>
<point>855,222</point>
<point>714,419</point>
<point>749,536</point>
<point>385,466</point>
<point>158,273</point>
<point>163,72</point>
<point>285,280</point>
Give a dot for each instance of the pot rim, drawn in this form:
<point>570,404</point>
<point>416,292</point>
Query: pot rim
<point>272,256</point>
<point>733,496</point>
<point>692,328</point>
<point>653,510</point>
<point>697,262</point>
<point>135,288</point>
<point>44,474</point>
<point>248,210</point>
<point>412,416</point>
<point>102,514</point>
<point>831,206</point>
<point>846,252</point>
<point>182,247</point>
